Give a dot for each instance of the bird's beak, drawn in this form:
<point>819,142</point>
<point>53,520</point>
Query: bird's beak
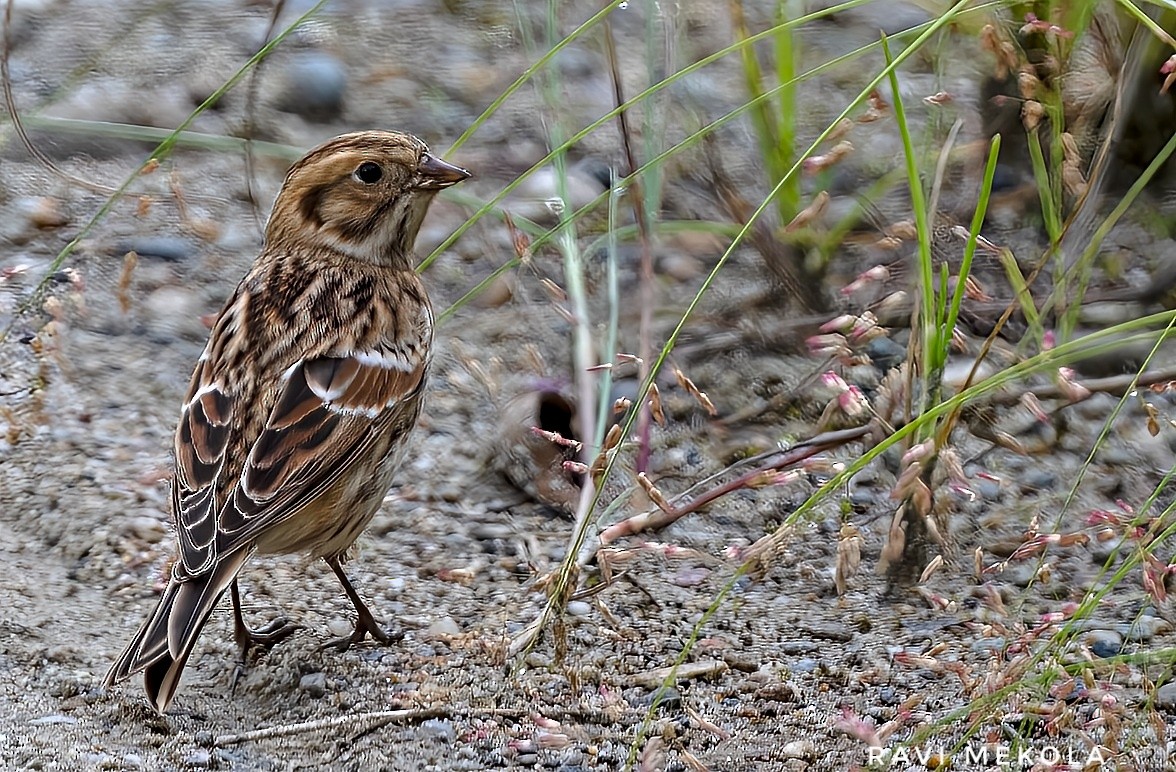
<point>435,174</point>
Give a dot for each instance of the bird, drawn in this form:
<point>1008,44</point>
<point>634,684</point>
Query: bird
<point>300,407</point>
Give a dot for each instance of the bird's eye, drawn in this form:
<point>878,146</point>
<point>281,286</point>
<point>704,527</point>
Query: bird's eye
<point>369,173</point>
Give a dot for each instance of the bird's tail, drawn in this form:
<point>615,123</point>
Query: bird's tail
<point>161,646</point>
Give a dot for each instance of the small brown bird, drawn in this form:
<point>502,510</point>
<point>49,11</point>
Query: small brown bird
<point>301,405</point>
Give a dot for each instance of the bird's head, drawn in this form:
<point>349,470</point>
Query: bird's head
<point>363,195</point>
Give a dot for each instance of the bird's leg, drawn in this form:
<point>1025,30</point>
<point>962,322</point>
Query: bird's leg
<point>366,624</point>
<point>263,637</point>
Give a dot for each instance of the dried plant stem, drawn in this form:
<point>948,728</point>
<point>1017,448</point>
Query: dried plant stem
<point>660,518</point>
<point>645,330</point>
<point>249,127</point>
<point>373,720</point>
<point>18,123</point>
<point>1115,384</point>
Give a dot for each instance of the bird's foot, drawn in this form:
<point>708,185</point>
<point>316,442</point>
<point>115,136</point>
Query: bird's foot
<point>364,626</point>
<point>264,638</point>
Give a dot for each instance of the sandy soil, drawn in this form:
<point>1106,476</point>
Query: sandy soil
<point>782,669</point>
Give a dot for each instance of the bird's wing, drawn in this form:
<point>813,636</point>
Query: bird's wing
<point>201,444</point>
<point>328,410</point>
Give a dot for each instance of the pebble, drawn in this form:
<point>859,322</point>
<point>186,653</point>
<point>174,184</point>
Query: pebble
<point>579,608</point>
<point>1145,628</point>
<point>862,497</point>
<point>804,665</point>
<point>199,758</point>
<point>798,749</point>
<point>1103,643</point>
<point>538,197</point>
<point>339,627</point>
<point>988,646</point>
<point>780,691</point>
<point>444,626</point>
<point>174,312</point>
<point>538,660</point>
<point>491,531</point>
<point>1101,551</point>
<point>439,730</point>
<point>1165,696</point>
<point>1033,480</point>
<point>314,85</point>
<point>314,684</point>
<point>689,577</point>
<point>147,528</point>
<point>173,249</point>
<point>885,354</point>
<point>55,718</point>
<point>1021,574</point>
<point>43,212</point>
<point>666,697</point>
<point>572,757</point>
<point>986,488</point>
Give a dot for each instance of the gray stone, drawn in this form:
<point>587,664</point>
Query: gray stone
<point>173,249</point>
<point>1165,697</point>
<point>314,85</point>
<point>314,684</point>
<point>1103,643</point>
<point>439,730</point>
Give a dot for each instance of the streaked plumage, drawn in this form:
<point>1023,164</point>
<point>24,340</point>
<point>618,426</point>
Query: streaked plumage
<point>300,407</point>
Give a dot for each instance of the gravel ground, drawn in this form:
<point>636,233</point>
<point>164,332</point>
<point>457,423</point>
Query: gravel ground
<point>784,675</point>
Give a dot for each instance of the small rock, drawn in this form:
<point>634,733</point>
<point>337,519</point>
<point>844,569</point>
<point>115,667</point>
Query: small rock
<point>1103,643</point>
<point>175,312</point>
<point>990,647</point>
<point>538,197</point>
<point>679,266</point>
<point>500,291</point>
<point>579,608</point>
<point>666,697</point>
<point>339,627</point>
<point>1033,480</point>
<point>537,660</point>
<point>689,577</point>
<point>804,665</point>
<point>55,718</point>
<point>439,730</point>
<point>314,684</point>
<point>43,212</point>
<point>490,531</point>
<point>1146,627</point>
<point>885,354</point>
<point>780,691</point>
<point>173,249</point>
<point>527,759</point>
<point>1165,697</point>
<point>799,749</point>
<point>444,627</point>
<point>147,528</point>
<point>986,488</point>
<point>201,759</point>
<point>1103,551</point>
<point>314,86</point>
